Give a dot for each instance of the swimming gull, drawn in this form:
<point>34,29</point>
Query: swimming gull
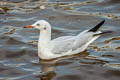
<point>65,45</point>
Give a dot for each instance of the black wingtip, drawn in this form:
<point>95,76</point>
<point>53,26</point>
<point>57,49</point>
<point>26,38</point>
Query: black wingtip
<point>94,29</point>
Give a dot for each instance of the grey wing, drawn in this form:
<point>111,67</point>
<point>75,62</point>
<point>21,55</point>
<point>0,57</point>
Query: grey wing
<point>63,38</point>
<point>81,40</point>
<point>62,46</point>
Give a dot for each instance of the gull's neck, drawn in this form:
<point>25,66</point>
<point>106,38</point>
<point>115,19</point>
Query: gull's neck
<point>45,36</point>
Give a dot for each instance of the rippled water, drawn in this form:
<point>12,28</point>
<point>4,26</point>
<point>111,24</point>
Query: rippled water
<point>18,46</point>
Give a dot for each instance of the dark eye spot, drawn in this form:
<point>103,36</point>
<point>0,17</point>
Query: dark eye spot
<point>38,24</point>
<point>45,28</point>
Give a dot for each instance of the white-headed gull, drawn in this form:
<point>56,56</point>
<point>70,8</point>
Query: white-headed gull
<point>66,45</point>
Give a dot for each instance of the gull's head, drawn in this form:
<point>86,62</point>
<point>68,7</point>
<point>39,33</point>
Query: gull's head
<point>41,25</point>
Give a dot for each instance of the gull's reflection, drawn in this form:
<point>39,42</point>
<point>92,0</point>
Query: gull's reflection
<point>48,67</point>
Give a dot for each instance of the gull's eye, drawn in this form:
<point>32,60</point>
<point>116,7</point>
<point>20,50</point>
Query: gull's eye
<point>45,28</point>
<point>38,24</point>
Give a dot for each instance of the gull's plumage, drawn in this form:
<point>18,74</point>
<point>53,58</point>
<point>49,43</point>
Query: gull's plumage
<point>73,43</point>
<point>65,45</point>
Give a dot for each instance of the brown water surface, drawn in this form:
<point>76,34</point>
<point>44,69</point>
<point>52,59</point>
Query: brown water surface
<point>18,46</point>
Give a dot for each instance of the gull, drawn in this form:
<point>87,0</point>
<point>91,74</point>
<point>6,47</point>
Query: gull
<point>65,45</point>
